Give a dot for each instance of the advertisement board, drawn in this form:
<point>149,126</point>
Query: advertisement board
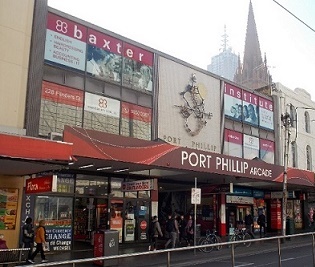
<point>102,105</point>
<point>266,113</point>
<point>250,108</point>
<point>250,146</point>
<point>8,208</point>
<point>266,151</point>
<point>233,108</point>
<point>188,107</point>
<point>233,143</point>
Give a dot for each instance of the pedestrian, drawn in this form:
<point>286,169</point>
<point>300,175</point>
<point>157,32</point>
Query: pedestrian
<point>262,224</point>
<point>3,245</point>
<point>172,229</point>
<point>40,239</point>
<point>28,236</point>
<point>249,221</point>
<point>190,231</point>
<point>182,229</point>
<point>155,232</point>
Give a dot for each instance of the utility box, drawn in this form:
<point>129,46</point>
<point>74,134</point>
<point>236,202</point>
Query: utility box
<point>106,243</point>
<point>290,226</point>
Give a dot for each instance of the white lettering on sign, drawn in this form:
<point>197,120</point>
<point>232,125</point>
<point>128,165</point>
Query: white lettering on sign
<point>31,186</point>
<point>200,160</point>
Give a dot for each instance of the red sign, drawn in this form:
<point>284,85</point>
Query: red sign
<point>143,225</point>
<point>276,216</point>
<point>41,184</point>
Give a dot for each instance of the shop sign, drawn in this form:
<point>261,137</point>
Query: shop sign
<point>143,185</point>
<point>279,194</point>
<point>41,184</point>
<point>59,238</point>
<point>239,200</point>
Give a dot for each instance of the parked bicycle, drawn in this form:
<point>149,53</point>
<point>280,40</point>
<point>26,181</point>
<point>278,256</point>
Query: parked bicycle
<point>241,234</point>
<point>210,238</point>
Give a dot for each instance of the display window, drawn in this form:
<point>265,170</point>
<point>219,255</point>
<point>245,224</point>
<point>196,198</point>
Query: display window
<point>57,213</point>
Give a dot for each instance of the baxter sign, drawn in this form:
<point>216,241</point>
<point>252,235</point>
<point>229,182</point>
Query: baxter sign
<point>41,184</point>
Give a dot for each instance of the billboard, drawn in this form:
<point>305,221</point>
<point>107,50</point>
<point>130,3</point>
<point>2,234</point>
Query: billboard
<point>250,146</point>
<point>102,56</point>
<point>250,108</point>
<point>102,105</point>
<point>188,107</point>
<point>233,143</point>
<point>267,149</point>
<point>233,102</point>
<point>266,113</point>
<point>65,42</point>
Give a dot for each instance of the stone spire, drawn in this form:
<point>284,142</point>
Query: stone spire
<point>254,72</point>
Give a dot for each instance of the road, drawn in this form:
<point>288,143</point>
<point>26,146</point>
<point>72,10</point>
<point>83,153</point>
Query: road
<point>300,256</point>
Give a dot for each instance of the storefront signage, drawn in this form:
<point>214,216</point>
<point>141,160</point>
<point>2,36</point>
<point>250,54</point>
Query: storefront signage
<point>279,194</point>
<point>41,184</point>
<point>239,200</point>
<point>142,185</point>
<point>59,238</point>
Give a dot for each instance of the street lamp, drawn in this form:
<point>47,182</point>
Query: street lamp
<point>285,118</point>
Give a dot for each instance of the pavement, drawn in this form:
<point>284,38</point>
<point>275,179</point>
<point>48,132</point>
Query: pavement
<point>182,256</point>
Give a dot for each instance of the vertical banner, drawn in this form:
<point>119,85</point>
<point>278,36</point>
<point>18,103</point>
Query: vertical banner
<point>233,102</point>
<point>250,108</point>
<point>266,113</point>
<point>251,147</point>
<point>233,142</point>
<point>267,149</point>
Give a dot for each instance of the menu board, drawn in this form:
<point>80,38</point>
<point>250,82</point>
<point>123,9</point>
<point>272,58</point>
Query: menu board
<point>8,208</point>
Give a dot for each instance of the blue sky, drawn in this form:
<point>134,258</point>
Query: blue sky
<point>192,30</point>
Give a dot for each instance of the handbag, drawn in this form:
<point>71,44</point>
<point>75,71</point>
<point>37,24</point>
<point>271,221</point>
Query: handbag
<point>46,246</point>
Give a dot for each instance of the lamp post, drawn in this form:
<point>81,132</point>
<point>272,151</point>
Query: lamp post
<point>285,118</point>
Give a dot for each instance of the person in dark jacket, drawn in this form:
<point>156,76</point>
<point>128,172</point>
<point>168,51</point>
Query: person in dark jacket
<point>155,233</point>
<point>28,235</point>
<point>262,224</point>
<point>249,221</point>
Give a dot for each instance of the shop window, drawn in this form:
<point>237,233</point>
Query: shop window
<point>57,212</point>
<point>116,188</point>
<point>91,185</point>
<point>144,194</point>
<point>116,220</point>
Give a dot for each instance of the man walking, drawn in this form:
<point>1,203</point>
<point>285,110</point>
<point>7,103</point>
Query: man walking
<point>172,229</point>
<point>249,221</point>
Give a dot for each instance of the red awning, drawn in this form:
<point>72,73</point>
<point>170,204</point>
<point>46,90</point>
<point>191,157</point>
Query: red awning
<point>13,146</point>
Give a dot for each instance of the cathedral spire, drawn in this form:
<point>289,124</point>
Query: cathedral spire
<point>254,73</point>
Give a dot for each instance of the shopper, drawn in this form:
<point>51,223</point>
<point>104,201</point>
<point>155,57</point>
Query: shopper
<point>155,232</point>
<point>40,239</point>
<point>190,231</point>
<point>249,221</point>
<point>173,231</point>
<point>262,224</point>
<point>28,235</point>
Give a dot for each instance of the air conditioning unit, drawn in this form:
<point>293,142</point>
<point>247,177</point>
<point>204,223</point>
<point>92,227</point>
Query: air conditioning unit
<point>55,136</point>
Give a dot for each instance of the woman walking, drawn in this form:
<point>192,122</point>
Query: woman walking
<point>40,239</point>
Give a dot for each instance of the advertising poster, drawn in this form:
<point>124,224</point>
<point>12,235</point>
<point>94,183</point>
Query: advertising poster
<point>137,68</point>
<point>233,108</point>
<point>65,42</point>
<point>266,113</point>
<point>116,220</point>
<point>275,214</point>
<point>233,143</point>
<point>8,208</point>
<point>250,108</point>
<point>136,121</point>
<point>129,230</point>
<point>59,237</point>
<point>189,107</point>
<point>102,105</point>
<point>251,147</point>
<point>267,149</point>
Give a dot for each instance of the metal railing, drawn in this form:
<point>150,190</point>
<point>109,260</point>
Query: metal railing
<point>232,245</point>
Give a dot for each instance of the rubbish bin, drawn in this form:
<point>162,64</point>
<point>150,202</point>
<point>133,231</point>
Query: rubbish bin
<point>106,243</point>
<point>290,226</point>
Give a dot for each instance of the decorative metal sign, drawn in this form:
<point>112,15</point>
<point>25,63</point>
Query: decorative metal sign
<point>193,110</point>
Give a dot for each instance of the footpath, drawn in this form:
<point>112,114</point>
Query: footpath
<point>184,256</point>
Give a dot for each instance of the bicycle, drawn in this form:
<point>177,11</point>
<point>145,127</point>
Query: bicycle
<point>210,238</point>
<point>241,234</point>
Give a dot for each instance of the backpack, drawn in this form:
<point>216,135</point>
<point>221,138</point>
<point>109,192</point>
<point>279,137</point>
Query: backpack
<point>170,226</point>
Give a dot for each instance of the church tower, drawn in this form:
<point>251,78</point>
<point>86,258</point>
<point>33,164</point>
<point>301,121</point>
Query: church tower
<point>253,73</point>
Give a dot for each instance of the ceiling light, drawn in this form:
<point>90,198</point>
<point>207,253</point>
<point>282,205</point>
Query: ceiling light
<point>104,168</point>
<point>122,170</point>
<point>86,166</point>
